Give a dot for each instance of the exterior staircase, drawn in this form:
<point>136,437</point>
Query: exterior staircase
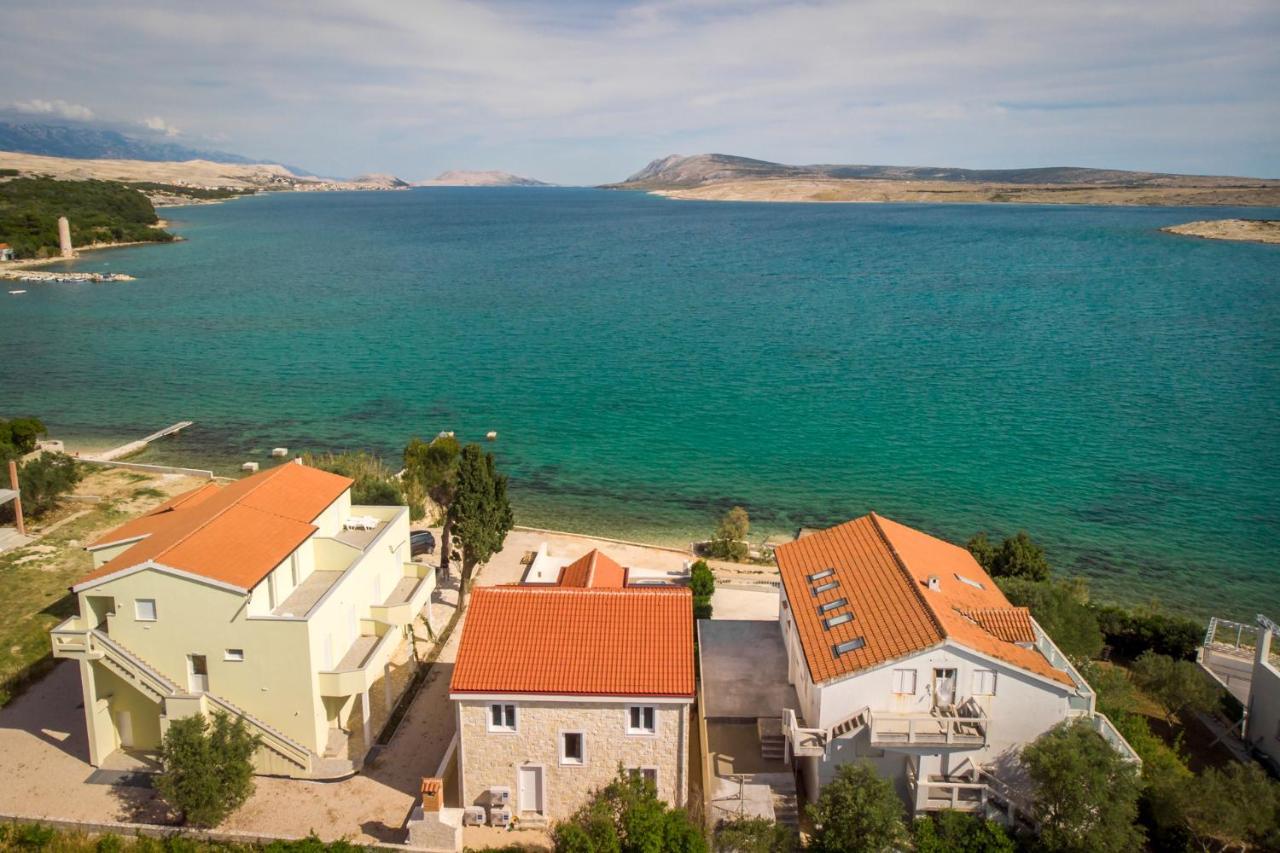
<point>786,809</point>
<point>852,725</point>
<point>773,740</point>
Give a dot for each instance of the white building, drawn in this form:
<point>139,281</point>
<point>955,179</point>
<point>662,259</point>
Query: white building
<point>1243,659</point>
<point>905,654</point>
<point>271,597</point>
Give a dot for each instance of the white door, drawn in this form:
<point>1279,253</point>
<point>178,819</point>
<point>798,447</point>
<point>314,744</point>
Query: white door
<point>197,674</point>
<point>531,790</point>
<point>124,725</point>
<point>944,687</point>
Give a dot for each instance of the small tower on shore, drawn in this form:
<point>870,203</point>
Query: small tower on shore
<point>64,237</point>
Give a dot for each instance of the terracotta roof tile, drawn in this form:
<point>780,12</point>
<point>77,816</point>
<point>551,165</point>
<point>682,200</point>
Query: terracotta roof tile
<point>881,570</point>
<point>579,642</point>
<point>594,569</point>
<point>234,534</point>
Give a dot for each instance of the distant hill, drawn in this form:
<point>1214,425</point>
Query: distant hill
<point>681,172</point>
<point>459,178</point>
<point>380,179</point>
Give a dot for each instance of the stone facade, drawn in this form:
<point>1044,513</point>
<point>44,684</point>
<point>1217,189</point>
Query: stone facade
<point>491,758</point>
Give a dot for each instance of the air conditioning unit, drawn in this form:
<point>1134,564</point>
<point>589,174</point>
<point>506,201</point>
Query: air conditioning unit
<point>473,816</point>
<point>499,795</point>
<point>500,816</point>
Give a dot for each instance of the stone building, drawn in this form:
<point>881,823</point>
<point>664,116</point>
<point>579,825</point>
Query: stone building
<point>557,686</point>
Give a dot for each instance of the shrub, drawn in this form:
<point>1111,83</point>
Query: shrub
<point>1178,685</point>
<point>754,835</point>
<point>701,607</point>
<point>729,540</point>
<point>626,816</point>
<point>956,832</point>
<point>701,579</point>
<point>1132,632</point>
<point>857,811</point>
<point>45,479</point>
<point>18,436</point>
<point>208,769</point>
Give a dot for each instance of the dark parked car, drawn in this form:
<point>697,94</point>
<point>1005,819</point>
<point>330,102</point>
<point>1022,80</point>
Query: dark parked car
<point>421,542</point>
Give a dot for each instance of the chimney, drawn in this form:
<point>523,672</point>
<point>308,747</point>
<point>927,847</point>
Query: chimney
<point>432,795</point>
<point>934,583</point>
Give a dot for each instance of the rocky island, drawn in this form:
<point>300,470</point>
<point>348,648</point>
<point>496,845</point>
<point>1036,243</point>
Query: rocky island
<point>724,177</point>
<point>1245,230</point>
<point>494,178</point>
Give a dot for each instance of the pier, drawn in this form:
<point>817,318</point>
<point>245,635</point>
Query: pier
<point>137,446</point>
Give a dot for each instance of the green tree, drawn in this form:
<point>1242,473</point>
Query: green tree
<point>45,479</point>
<point>374,483</point>
<point>208,768</point>
<point>18,437</point>
<point>729,542</point>
<point>982,550</point>
<point>1061,609</point>
<point>702,582</point>
<point>434,465</point>
<point>1178,685</point>
<point>626,816</point>
<point>479,514</point>
<point>956,832</point>
<point>1086,794</point>
<point>857,812</point>
<point>1234,808</point>
<point>1020,557</point>
<point>754,835</point>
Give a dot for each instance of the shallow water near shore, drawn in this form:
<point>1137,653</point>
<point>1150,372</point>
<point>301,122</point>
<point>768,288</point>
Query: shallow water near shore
<point>648,363</point>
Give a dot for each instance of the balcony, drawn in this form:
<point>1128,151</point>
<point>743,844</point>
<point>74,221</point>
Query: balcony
<point>408,598</point>
<point>936,792</point>
<point>1103,726</point>
<point>964,727</point>
<point>73,638</point>
<point>804,741</point>
<point>362,665</point>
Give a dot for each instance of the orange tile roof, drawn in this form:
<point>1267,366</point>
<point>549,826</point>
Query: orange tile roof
<point>594,569</point>
<point>234,534</point>
<point>580,642</point>
<point>881,569</point>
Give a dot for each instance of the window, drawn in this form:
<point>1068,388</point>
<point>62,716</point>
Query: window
<point>817,576</point>
<point>642,720</point>
<point>823,587</point>
<point>571,751</point>
<point>832,605</point>
<point>904,681</point>
<point>235,655</point>
<point>502,718</point>
<point>838,619</point>
<point>144,609</point>
<point>984,682</point>
<point>648,774</point>
<point>971,582</point>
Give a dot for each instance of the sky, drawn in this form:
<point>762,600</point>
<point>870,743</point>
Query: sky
<point>589,91</point>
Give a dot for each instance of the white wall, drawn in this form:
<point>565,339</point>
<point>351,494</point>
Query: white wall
<point>1264,700</point>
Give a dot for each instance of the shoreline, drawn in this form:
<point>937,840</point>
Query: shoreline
<point>854,191</point>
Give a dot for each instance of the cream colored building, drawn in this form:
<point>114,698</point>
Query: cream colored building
<point>557,687</point>
<point>271,597</point>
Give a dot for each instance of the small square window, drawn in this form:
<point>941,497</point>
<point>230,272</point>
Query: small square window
<point>144,609</point>
<point>642,720</point>
<point>502,717</point>
<point>648,774</point>
<point>235,655</point>
<point>571,748</point>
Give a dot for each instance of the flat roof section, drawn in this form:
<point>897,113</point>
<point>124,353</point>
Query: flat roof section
<point>744,669</point>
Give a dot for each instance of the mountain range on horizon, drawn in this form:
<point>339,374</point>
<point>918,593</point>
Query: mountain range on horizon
<point>491,178</point>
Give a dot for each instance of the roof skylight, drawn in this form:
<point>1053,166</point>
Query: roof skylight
<point>832,605</point>
<point>823,587</point>
<point>847,646</point>
<point>838,619</point>
<point>817,576</point>
<point>971,582</point>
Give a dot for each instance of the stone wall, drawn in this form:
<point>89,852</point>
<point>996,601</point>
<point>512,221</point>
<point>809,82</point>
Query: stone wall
<point>492,758</point>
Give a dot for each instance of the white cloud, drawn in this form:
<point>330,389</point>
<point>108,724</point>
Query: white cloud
<point>57,107</point>
<point>160,126</point>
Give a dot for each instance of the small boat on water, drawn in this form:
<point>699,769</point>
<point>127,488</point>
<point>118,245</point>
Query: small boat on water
<point>16,292</point>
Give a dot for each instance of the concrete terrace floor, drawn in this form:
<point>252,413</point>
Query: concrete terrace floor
<point>44,750</point>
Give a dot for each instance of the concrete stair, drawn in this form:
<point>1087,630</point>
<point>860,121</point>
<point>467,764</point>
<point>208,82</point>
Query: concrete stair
<point>786,810</point>
<point>773,741</point>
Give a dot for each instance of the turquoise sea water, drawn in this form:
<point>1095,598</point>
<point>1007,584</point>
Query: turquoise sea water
<point>648,363</point>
